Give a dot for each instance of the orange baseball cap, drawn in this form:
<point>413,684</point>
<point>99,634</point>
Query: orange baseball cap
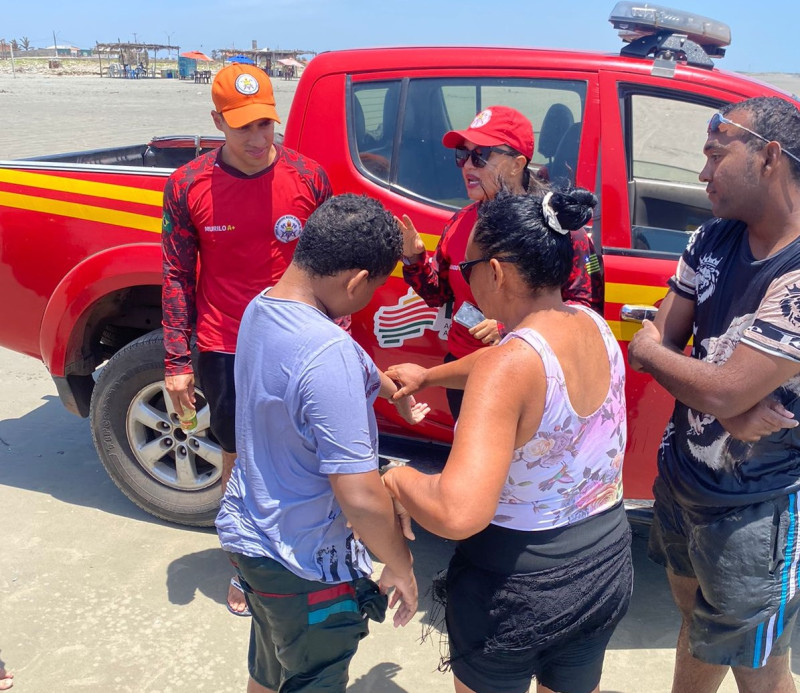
<point>243,94</point>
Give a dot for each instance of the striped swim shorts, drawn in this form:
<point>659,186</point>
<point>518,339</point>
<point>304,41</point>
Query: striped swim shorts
<point>304,633</point>
<point>746,562</point>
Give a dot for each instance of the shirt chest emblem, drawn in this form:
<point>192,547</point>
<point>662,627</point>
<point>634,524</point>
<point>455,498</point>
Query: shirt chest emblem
<point>288,228</point>
<point>707,277</point>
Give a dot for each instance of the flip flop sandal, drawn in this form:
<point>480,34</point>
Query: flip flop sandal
<point>246,611</point>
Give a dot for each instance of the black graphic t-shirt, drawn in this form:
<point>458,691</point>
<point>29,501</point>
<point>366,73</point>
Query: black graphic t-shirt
<point>737,298</point>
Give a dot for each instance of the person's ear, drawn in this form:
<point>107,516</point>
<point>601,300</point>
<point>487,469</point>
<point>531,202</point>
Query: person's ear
<point>772,155</point>
<point>520,162</point>
<point>499,276</point>
<point>216,116</point>
<point>355,281</point>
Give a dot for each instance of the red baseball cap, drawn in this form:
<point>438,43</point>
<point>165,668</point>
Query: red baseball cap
<point>243,94</point>
<point>494,126</point>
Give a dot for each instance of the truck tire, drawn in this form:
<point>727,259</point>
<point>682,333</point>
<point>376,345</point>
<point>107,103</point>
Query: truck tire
<point>169,473</point>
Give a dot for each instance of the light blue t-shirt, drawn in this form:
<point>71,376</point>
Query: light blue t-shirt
<point>304,396</point>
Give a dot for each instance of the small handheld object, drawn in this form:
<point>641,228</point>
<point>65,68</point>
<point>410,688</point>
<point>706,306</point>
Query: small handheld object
<point>468,315</point>
<point>188,419</point>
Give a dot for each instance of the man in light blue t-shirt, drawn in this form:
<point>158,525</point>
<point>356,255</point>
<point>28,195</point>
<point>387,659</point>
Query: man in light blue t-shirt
<point>305,499</point>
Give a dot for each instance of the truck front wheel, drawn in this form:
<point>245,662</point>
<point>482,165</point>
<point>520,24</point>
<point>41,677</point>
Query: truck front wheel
<point>169,473</point>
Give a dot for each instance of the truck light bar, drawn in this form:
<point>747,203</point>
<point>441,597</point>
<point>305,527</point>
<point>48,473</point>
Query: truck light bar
<point>635,20</point>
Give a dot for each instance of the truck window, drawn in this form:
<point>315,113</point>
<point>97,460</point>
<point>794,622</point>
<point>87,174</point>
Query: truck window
<point>422,110</point>
<point>374,117</point>
<point>667,199</point>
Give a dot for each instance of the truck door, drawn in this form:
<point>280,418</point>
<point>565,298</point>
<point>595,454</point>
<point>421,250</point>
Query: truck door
<point>652,200</point>
<point>395,134</point>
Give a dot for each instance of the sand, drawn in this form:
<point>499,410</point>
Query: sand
<point>50,114</point>
<point>54,111</point>
<point>95,595</point>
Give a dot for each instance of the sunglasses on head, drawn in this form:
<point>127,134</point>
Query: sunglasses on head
<point>467,266</point>
<point>718,119</point>
<point>480,155</point>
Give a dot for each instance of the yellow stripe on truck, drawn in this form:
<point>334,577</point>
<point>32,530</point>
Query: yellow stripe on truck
<point>109,191</point>
<point>430,241</point>
<point>640,294</point>
<point>76,210</point>
<point>624,331</point>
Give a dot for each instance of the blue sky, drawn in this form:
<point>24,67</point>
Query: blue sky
<point>763,33</point>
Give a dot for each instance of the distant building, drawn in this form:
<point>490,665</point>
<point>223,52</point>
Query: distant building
<point>68,51</point>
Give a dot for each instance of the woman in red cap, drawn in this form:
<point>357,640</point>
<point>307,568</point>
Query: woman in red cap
<point>493,153</point>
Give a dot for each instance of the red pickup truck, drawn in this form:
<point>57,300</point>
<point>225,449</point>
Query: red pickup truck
<point>80,266</point>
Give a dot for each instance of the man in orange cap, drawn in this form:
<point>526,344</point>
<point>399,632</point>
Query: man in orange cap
<point>240,209</point>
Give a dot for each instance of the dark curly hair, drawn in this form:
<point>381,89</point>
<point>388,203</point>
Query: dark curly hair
<point>774,119</point>
<point>515,226</point>
<point>349,232</point>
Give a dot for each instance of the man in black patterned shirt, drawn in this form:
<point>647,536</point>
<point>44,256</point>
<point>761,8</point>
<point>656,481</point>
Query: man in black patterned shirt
<point>727,512</point>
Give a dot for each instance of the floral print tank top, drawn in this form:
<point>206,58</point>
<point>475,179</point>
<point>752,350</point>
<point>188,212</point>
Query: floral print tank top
<point>572,467</point>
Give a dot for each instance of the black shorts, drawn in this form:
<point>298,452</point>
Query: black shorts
<point>304,633</point>
<point>746,561</point>
<point>553,624</point>
<point>215,375</point>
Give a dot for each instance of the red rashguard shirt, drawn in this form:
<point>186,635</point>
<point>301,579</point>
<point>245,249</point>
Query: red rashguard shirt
<point>437,278</point>
<point>244,230</point>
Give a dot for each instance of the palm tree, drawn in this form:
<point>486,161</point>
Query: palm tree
<point>25,42</point>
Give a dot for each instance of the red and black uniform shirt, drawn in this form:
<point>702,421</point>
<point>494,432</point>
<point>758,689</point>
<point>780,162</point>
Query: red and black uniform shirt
<point>437,279</point>
<point>244,229</point>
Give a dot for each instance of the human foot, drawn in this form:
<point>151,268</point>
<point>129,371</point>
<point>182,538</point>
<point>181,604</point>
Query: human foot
<point>237,604</point>
<point>6,679</point>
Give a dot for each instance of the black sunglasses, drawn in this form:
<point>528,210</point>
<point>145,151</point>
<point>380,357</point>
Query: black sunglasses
<point>467,266</point>
<point>718,119</point>
<point>480,157</point>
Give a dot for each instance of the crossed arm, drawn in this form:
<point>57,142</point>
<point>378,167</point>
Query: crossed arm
<point>736,392</point>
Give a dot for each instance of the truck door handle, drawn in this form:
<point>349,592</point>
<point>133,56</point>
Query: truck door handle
<point>631,312</point>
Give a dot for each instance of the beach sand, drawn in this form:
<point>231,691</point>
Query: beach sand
<point>55,113</point>
<point>52,114</point>
<point>97,596</point>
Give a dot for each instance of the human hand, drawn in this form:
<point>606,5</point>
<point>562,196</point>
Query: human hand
<point>410,376</point>
<point>643,339</point>
<point>486,331</point>
<point>765,418</point>
<point>180,389</point>
<point>403,590</point>
<point>412,241</point>
<point>405,520</point>
<point>402,514</point>
<point>399,510</point>
<point>412,411</point>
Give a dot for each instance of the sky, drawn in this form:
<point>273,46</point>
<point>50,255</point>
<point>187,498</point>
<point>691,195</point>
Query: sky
<point>763,33</point>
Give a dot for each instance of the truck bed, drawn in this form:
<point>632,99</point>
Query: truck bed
<point>169,151</point>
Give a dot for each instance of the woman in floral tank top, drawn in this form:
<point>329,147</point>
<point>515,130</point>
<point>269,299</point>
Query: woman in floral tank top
<point>532,489</point>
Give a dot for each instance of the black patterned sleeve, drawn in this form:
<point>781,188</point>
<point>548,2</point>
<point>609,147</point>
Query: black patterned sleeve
<point>585,283</point>
<point>179,257</point>
<point>322,188</point>
<point>430,277</point>
<point>684,281</point>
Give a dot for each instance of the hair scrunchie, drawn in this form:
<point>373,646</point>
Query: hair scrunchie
<point>550,216</point>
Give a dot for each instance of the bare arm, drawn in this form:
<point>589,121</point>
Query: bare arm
<point>725,390</point>
<point>767,417</point>
<point>675,321</point>
<point>413,377</point>
<point>411,410</point>
<point>370,512</point>
<point>462,500</point>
